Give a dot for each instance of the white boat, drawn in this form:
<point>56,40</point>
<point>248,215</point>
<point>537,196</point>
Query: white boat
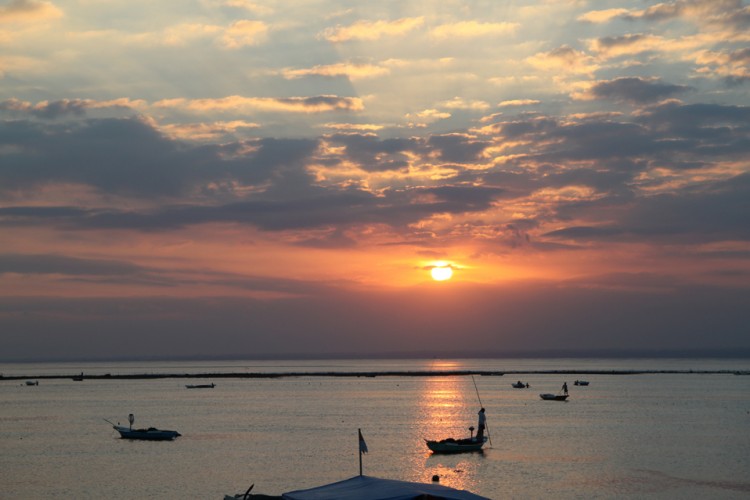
<point>554,397</point>
<point>370,488</point>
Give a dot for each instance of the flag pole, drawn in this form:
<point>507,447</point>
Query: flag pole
<point>359,447</point>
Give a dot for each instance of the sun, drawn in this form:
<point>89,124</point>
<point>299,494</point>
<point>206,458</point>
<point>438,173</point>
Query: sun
<point>441,273</point>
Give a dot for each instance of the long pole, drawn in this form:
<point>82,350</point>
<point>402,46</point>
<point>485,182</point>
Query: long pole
<point>482,406</point>
<point>359,447</point>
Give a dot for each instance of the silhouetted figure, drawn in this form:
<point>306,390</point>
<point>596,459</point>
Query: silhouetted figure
<point>565,387</point>
<point>481,425</point>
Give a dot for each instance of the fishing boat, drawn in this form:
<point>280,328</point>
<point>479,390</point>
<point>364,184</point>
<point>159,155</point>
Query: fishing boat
<point>201,386</point>
<point>451,445</point>
<point>32,382</point>
<point>149,434</point>
<point>554,397</point>
<point>581,382</point>
<point>78,378</point>
<point>520,385</point>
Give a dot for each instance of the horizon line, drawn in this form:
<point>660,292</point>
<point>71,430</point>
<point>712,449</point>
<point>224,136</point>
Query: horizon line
<point>725,353</point>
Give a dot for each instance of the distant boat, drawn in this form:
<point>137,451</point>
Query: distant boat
<point>581,382</point>
<point>32,382</point>
<point>201,386</point>
<point>520,385</point>
<point>554,397</point>
<point>451,445</point>
<point>150,434</point>
<point>78,378</point>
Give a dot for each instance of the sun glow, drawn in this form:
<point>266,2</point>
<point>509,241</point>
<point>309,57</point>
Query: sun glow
<point>441,272</point>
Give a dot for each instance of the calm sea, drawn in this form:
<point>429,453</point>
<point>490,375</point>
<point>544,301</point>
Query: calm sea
<point>684,435</point>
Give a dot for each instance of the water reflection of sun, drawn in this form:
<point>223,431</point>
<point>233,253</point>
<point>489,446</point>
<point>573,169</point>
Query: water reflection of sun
<point>447,409</point>
<point>445,406</point>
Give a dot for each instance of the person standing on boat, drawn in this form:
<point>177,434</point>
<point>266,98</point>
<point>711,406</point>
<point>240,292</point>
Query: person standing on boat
<point>565,387</point>
<point>481,425</point>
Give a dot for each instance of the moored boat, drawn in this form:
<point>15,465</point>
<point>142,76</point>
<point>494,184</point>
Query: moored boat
<point>149,434</point>
<point>32,382</point>
<point>451,445</point>
<point>581,382</point>
<point>554,397</point>
<point>201,386</point>
<point>520,385</point>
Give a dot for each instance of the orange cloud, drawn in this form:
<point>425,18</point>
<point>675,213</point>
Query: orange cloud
<point>249,6</point>
<point>359,127</point>
<point>734,65</point>
<point>316,104</point>
<point>353,71</point>
<point>461,103</point>
<point>564,59</point>
<point>519,102</point>
<point>372,30</point>
<point>468,29</point>
<point>602,16</point>
<point>243,33</point>
<point>28,11</point>
<point>206,131</point>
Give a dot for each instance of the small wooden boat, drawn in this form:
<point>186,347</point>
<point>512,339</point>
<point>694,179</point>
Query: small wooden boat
<point>32,382</point>
<point>554,397</point>
<point>520,385</point>
<point>451,445</point>
<point>78,378</point>
<point>150,434</point>
<point>581,382</point>
<point>201,386</point>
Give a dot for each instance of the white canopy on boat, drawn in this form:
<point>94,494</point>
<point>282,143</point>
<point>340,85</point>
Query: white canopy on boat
<point>373,488</point>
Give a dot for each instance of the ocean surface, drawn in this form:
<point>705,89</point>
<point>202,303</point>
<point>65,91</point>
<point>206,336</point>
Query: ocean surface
<point>645,436</point>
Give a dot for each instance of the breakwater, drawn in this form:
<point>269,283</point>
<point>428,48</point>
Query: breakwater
<point>395,373</point>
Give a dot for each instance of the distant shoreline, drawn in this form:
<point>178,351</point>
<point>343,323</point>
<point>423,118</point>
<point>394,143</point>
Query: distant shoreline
<point>350,374</point>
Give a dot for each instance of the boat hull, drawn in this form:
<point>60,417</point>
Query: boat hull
<point>150,434</point>
<point>455,445</point>
<point>554,397</point>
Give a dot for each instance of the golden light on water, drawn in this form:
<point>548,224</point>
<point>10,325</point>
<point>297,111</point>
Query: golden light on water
<point>447,411</point>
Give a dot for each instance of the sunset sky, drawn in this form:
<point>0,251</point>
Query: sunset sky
<point>238,177</point>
